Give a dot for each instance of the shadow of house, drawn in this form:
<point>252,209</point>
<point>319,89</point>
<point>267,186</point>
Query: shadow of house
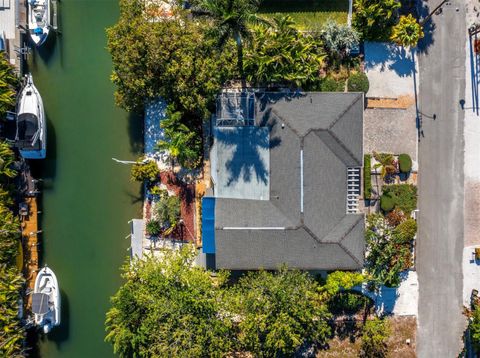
<point>280,186</point>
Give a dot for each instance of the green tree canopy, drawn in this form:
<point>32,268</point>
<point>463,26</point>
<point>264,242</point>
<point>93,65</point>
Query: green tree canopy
<point>407,32</point>
<point>145,170</point>
<point>12,334</point>
<point>168,308</point>
<point>280,54</point>
<point>374,19</point>
<point>8,84</point>
<point>231,20</point>
<point>171,58</point>
<point>183,143</point>
<point>278,312</point>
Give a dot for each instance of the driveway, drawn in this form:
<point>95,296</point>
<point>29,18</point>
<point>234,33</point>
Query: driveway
<point>389,69</point>
<point>441,196</point>
<point>390,131</point>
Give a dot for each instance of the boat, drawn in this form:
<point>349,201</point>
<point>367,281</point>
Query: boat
<point>46,300</point>
<point>3,42</point>
<point>31,133</point>
<point>39,20</point>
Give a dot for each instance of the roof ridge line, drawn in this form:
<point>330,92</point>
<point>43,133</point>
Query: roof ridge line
<point>340,143</point>
<point>349,253</point>
<point>343,113</point>
<point>287,123</point>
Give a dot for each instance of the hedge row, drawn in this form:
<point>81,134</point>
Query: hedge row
<point>367,177</point>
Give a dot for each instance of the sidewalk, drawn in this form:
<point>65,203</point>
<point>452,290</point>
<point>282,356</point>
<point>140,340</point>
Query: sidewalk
<point>471,268</point>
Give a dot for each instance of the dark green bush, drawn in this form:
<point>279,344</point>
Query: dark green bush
<point>387,202</point>
<point>153,228</point>
<point>358,82</point>
<point>404,196</point>
<point>329,84</point>
<point>405,163</point>
<point>348,302</point>
<point>367,176</point>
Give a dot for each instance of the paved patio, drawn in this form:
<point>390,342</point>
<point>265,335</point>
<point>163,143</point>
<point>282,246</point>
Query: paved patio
<point>390,130</point>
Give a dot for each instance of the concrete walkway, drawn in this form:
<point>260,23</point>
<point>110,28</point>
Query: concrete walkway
<point>400,301</point>
<point>441,196</point>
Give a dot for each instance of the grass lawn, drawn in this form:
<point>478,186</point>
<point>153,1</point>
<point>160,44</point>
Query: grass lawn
<point>308,14</point>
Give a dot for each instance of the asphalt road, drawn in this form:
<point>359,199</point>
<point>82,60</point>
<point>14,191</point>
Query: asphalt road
<point>441,196</point>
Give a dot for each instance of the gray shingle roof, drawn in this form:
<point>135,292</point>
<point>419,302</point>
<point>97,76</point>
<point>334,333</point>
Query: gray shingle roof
<point>313,233</point>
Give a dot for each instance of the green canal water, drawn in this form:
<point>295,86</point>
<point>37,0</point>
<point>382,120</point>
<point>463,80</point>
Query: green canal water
<point>87,198</point>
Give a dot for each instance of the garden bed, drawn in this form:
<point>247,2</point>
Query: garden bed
<point>307,14</point>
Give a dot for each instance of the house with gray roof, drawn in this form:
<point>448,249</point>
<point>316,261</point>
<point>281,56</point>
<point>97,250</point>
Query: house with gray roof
<point>285,171</point>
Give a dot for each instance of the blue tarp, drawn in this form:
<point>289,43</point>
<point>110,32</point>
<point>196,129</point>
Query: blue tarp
<point>208,225</point>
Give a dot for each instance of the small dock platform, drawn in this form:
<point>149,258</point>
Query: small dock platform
<point>30,240</point>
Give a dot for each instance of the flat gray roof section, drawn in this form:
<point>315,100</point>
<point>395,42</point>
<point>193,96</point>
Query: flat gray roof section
<point>240,161</point>
<point>136,238</point>
<point>313,139</point>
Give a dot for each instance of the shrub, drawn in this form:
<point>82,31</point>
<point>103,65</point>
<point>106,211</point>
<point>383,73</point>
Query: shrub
<point>145,171</point>
<point>374,338</point>
<point>168,210</point>
<point>405,231</point>
<point>348,302</point>
<point>404,196</point>
<point>367,176</point>
<point>338,39</point>
<point>153,228</point>
<point>387,202</point>
<point>474,327</point>
<point>358,82</point>
<point>329,84</point>
<point>395,217</point>
<point>387,256</point>
<point>405,163</point>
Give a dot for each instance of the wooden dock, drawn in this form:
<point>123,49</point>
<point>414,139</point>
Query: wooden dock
<point>30,245</point>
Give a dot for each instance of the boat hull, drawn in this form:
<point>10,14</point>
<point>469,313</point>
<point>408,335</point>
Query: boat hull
<point>39,21</point>
<point>31,137</point>
<point>46,284</point>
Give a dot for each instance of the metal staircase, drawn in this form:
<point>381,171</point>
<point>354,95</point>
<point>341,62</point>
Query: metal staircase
<point>353,189</point>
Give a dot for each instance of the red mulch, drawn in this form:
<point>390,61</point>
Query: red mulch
<point>186,193</point>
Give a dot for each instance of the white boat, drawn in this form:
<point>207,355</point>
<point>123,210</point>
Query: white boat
<point>31,136</point>
<point>46,300</point>
<point>39,20</point>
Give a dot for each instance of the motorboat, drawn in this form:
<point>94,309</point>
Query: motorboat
<point>31,133</point>
<point>39,20</point>
<point>46,300</point>
<point>3,42</point>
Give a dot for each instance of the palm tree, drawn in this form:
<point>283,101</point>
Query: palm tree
<point>407,32</point>
<point>8,82</point>
<point>181,142</point>
<point>386,162</point>
<point>231,19</point>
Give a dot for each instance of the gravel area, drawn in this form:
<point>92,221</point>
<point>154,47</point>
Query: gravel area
<point>390,130</point>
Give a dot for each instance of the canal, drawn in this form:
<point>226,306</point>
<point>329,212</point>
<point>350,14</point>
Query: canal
<point>87,198</point>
